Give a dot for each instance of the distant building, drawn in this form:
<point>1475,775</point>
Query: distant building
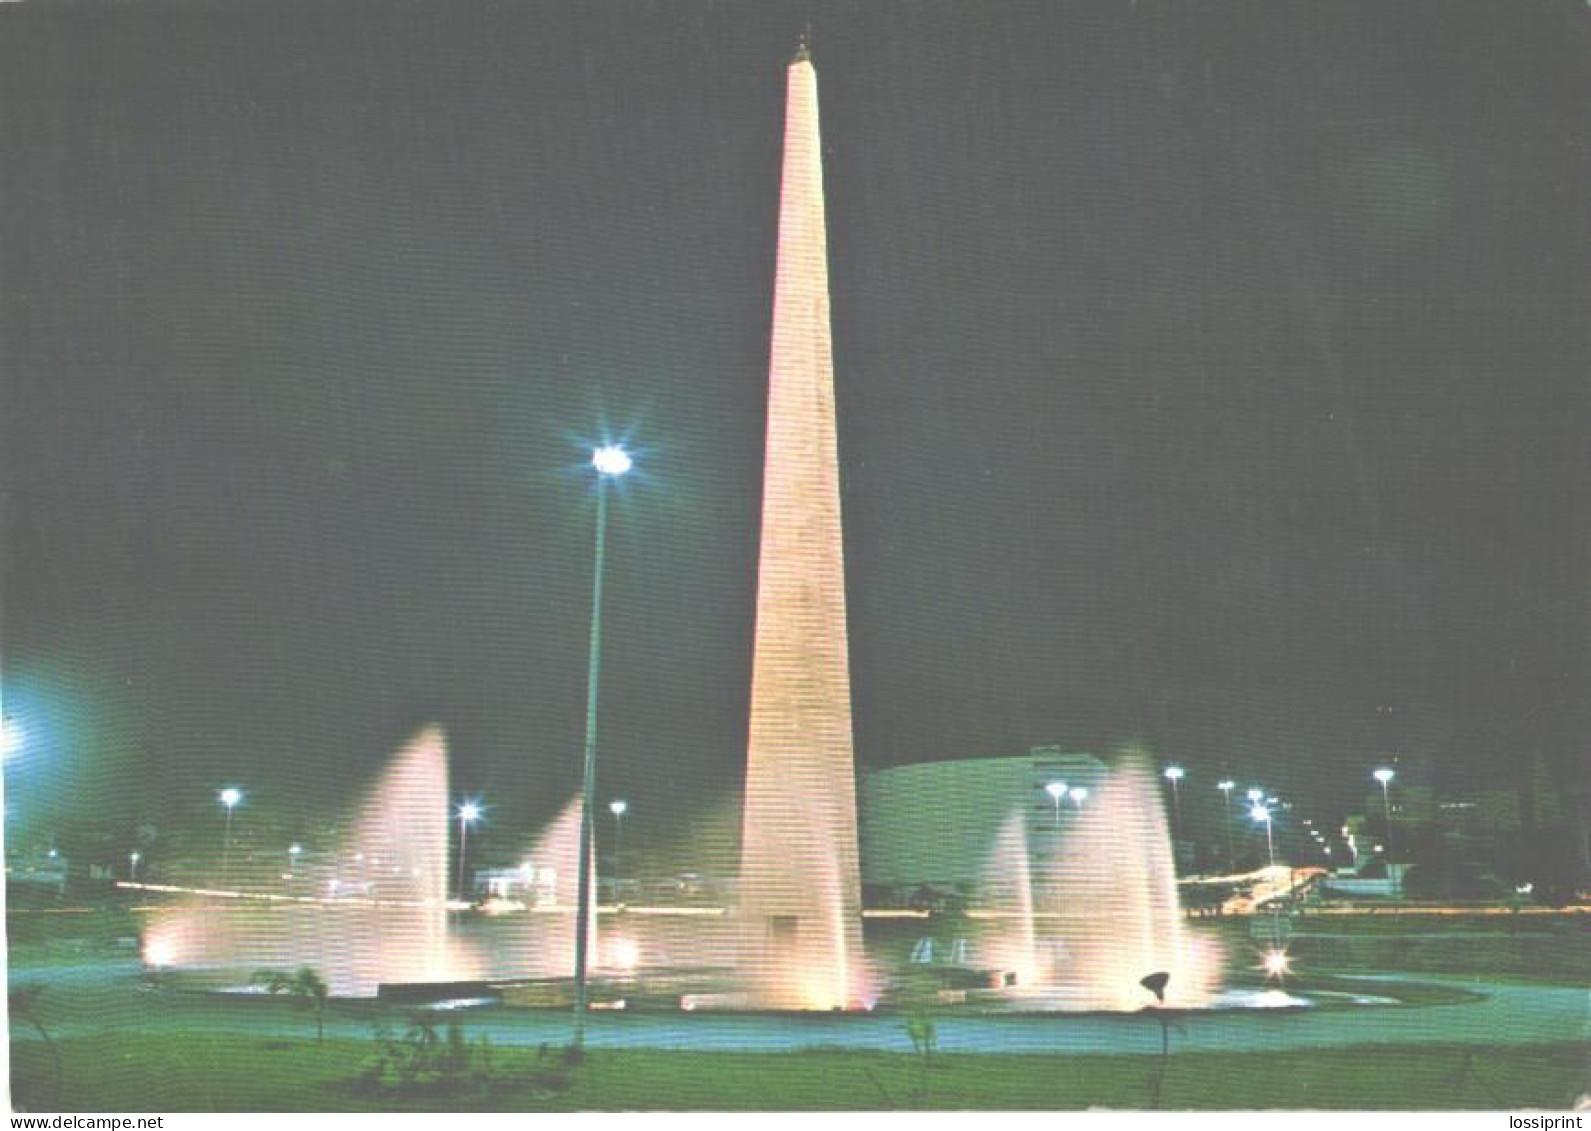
<point>43,871</point>
<point>534,886</point>
<point>936,825</point>
<point>1484,815</point>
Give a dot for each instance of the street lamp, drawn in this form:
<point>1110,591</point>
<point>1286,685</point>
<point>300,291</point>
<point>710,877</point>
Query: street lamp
<point>469,813</point>
<point>132,865</point>
<point>1056,790</point>
<point>1174,775</point>
<point>1385,776</point>
<point>618,807</point>
<point>293,853</point>
<point>230,796</point>
<point>10,737</point>
<point>1226,787</point>
<point>1078,795</point>
<point>611,461</point>
<point>1261,813</point>
<point>1156,984</point>
<point>1255,796</point>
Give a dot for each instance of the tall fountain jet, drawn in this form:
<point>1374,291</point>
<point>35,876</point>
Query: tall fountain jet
<point>800,882</point>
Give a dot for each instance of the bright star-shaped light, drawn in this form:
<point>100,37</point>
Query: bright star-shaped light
<point>1175,773</point>
<point>10,737</point>
<point>231,796</point>
<point>469,811</point>
<point>611,460</point>
<point>1275,963</point>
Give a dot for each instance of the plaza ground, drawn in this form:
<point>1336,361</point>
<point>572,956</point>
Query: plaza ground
<point>1494,1015</point>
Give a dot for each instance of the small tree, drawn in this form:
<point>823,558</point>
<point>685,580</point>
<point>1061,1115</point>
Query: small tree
<point>422,1060</point>
<point>924,1034</point>
<point>303,984</point>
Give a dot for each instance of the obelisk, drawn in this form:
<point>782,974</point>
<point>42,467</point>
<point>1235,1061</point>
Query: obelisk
<point>800,893</point>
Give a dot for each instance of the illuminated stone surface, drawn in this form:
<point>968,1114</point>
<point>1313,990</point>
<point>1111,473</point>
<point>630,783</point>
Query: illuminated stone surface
<point>800,883</point>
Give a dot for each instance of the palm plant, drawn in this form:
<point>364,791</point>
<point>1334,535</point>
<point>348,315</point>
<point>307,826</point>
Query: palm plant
<point>303,984</point>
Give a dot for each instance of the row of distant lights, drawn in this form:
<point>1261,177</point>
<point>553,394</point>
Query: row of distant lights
<point>471,811</point>
<point>1058,789</point>
<point>1260,805</point>
<point>468,812</point>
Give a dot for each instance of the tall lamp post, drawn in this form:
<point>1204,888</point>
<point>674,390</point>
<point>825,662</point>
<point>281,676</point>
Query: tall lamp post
<point>618,807</point>
<point>1174,775</point>
<point>469,813</point>
<point>230,796</point>
<point>611,462</point>
<point>1261,812</point>
<point>1078,795</point>
<point>1056,790</point>
<point>10,737</point>
<point>1226,786</point>
<point>1385,776</point>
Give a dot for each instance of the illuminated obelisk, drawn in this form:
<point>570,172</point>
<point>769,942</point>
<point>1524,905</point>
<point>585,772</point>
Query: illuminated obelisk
<point>800,898</point>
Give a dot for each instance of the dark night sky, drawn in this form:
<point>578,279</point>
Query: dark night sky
<point>1210,374</point>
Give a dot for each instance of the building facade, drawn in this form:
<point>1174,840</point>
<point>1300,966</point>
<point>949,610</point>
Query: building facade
<point>939,825</point>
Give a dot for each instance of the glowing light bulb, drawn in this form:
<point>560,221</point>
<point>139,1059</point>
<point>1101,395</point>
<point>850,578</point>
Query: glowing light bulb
<point>611,460</point>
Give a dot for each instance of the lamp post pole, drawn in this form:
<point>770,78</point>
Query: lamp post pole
<point>467,813</point>
<point>1226,788</point>
<point>230,797</point>
<point>1174,775</point>
<point>1261,812</point>
<point>618,807</point>
<point>1056,790</point>
<point>610,462</point>
<point>1385,776</point>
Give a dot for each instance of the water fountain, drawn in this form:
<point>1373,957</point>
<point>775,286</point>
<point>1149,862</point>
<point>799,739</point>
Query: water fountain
<point>1110,895</point>
<point>535,939</point>
<point>379,917</point>
<point>1011,941</point>
<point>1077,925</point>
<point>1073,926</point>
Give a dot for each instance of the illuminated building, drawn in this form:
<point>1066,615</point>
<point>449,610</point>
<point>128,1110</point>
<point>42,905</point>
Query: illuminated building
<point>937,824</point>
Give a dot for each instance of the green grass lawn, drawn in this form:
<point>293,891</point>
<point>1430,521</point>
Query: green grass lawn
<point>128,1072</point>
